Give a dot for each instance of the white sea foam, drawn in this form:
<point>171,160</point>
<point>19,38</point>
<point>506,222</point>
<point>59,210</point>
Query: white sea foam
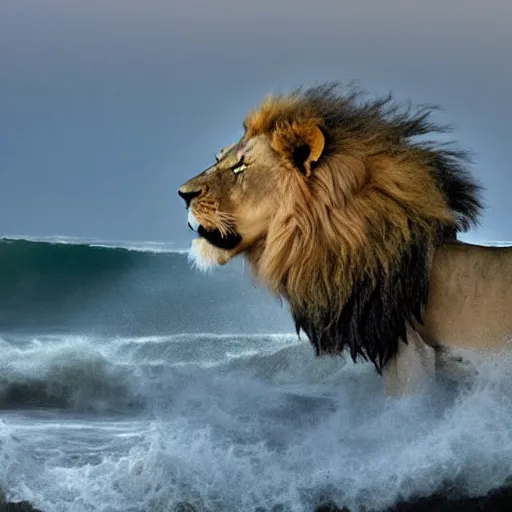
<point>273,425</point>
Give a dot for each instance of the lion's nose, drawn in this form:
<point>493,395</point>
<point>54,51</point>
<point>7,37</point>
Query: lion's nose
<point>188,195</point>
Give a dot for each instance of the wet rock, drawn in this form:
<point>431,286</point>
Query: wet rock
<point>496,501</point>
<point>21,506</point>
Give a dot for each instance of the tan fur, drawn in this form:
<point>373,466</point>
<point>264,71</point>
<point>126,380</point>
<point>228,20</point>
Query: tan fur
<point>348,195</point>
<point>354,197</point>
<point>314,224</point>
<point>468,308</point>
<point>470,298</point>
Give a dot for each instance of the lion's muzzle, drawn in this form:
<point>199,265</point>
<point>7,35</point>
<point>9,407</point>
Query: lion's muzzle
<point>213,236</point>
<point>226,238</point>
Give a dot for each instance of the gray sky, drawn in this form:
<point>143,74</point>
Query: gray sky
<point>107,106</point>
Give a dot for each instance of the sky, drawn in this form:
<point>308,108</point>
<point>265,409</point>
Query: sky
<point>107,106</point>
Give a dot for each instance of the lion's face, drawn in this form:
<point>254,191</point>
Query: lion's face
<point>230,204</point>
<point>254,184</point>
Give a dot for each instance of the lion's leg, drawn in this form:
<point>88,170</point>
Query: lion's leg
<point>411,368</point>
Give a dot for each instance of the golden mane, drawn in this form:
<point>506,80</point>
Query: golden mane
<point>352,246</point>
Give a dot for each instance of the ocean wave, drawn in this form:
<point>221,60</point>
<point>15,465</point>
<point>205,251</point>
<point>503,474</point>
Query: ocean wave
<point>66,375</point>
<point>93,289</point>
<point>202,349</point>
<point>137,246</point>
<point>117,374</point>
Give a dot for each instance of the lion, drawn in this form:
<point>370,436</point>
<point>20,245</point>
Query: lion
<point>346,212</point>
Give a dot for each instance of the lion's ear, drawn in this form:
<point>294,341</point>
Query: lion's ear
<point>302,144</point>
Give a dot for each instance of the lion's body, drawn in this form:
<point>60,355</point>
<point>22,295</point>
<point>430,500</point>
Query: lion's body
<point>344,215</point>
<point>469,308</point>
<point>470,298</point>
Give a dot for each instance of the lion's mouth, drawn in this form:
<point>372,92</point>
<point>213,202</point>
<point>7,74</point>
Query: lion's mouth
<point>214,236</point>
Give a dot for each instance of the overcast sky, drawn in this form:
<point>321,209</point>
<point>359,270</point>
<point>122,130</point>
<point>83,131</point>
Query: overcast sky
<point>107,106</point>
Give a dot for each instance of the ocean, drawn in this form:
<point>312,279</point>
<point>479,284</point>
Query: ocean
<point>131,382</point>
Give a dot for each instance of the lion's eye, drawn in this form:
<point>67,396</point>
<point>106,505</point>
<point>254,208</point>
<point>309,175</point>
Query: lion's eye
<point>239,167</point>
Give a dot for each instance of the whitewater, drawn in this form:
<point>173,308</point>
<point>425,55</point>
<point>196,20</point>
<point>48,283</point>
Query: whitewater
<point>131,382</point>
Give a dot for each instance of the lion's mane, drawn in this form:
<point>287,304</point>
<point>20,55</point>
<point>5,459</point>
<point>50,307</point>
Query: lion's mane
<point>351,249</point>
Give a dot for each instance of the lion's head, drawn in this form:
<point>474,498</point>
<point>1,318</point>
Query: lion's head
<point>338,210</point>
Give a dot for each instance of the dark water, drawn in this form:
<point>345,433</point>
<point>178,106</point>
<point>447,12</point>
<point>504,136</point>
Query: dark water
<point>96,289</point>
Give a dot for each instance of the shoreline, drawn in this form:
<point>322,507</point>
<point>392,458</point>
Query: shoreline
<point>494,501</point>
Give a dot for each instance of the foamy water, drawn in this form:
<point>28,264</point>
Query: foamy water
<point>234,423</point>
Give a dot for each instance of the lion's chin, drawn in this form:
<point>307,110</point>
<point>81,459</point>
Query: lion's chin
<point>205,256</point>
